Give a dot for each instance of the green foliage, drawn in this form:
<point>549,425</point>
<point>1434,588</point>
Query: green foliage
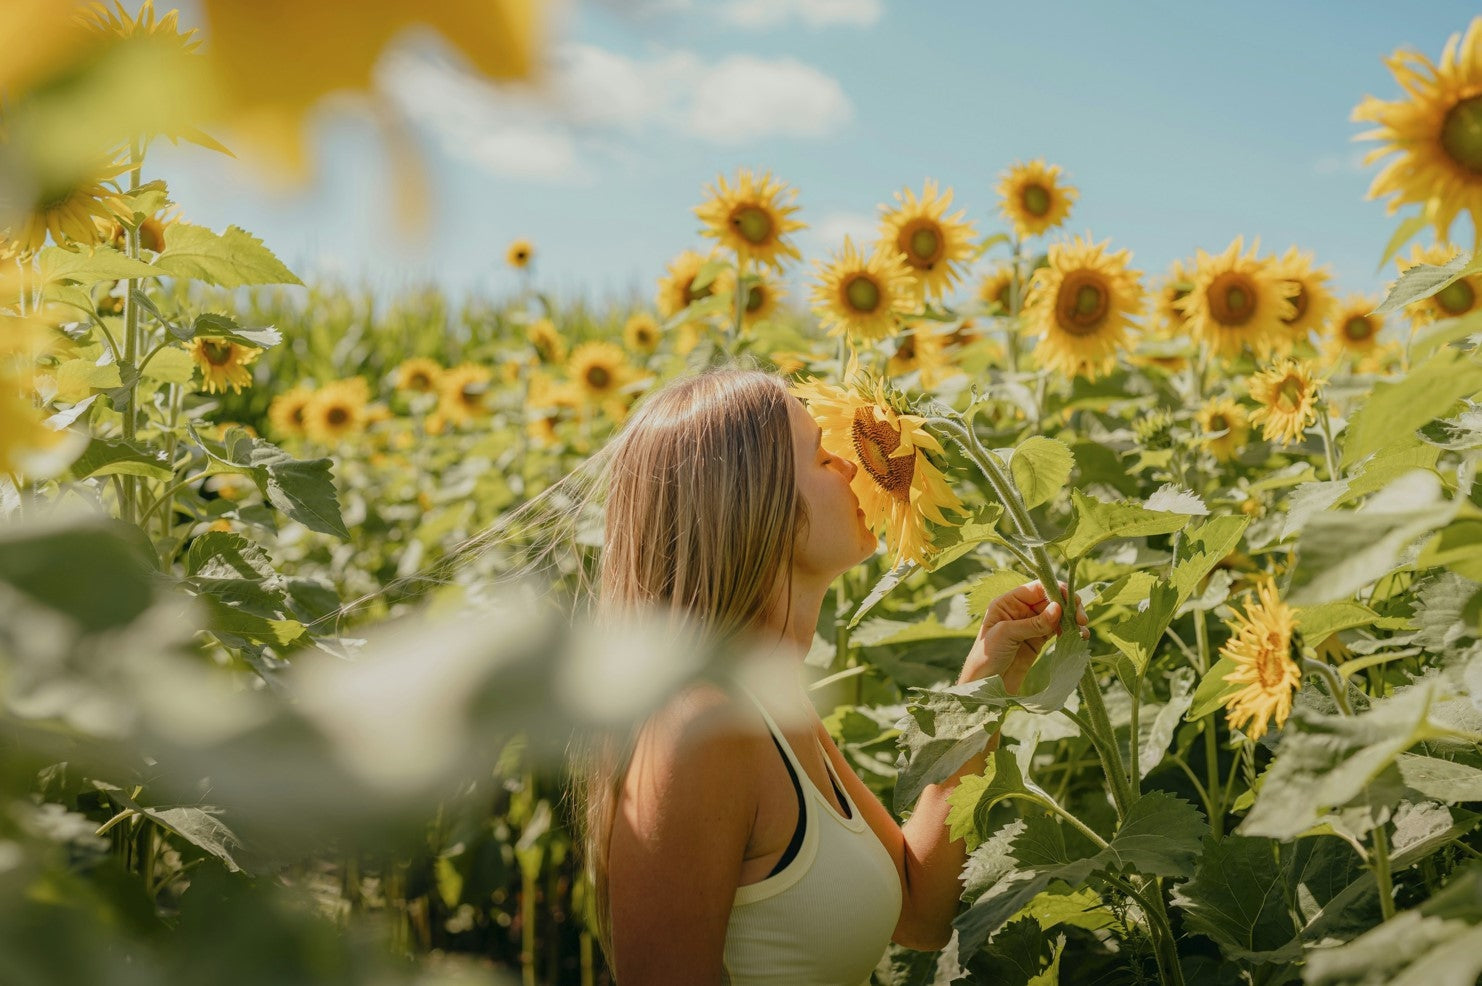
<point>1095,522</point>
<point>232,259</point>
<point>1040,467</point>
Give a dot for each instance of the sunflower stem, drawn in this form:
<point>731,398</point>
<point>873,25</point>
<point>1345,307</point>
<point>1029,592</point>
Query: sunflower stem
<point>1335,683</point>
<point>1011,337</point>
<point>132,343</point>
<point>1211,733</point>
<point>741,292</point>
<point>1334,473</point>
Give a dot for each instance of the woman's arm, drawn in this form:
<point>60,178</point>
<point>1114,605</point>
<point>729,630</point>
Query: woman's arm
<point>930,864</point>
<point>678,839</point>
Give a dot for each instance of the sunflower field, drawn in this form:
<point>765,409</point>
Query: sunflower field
<point>288,654</point>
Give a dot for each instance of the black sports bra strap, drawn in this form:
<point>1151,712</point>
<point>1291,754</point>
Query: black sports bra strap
<point>797,832</point>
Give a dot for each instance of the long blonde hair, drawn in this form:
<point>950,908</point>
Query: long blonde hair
<point>702,515</point>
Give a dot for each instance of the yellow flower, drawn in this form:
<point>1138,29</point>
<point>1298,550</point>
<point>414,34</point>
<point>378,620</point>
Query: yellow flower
<point>1287,395</point>
<point>762,300</point>
<point>1262,651</point>
<point>286,412</point>
<point>549,344</point>
<point>1224,427</point>
<point>753,219</point>
<point>860,297</point>
<point>419,375</point>
<point>1436,131</point>
<point>1082,306</point>
<point>1313,302</point>
<point>1456,299</point>
<point>466,393</point>
<point>336,410</point>
<point>922,350</point>
<point>1238,302</point>
<point>936,247</point>
<point>118,22</point>
<point>677,289</point>
<point>27,445</point>
<point>223,363</point>
<point>1169,320</point>
<point>599,370</point>
<point>899,487</point>
<point>541,430</point>
<point>1353,331</point>
<point>519,254</point>
<point>788,363</point>
<point>641,332</point>
<point>1033,198</point>
<point>78,212</point>
<point>996,291</point>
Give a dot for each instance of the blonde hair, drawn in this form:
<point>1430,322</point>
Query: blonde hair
<point>702,515</point>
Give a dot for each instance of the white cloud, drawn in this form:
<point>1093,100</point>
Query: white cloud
<point>814,13</point>
<point>744,98</point>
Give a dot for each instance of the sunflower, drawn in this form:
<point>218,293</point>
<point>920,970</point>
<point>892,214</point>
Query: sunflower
<point>922,350</point>
<point>1033,198</point>
<point>519,254</point>
<point>1287,394</point>
<point>1437,133</point>
<point>641,332</point>
<point>677,289</point>
<point>1238,302</point>
<point>1354,331</point>
<point>936,247</point>
<point>1169,320</point>
<point>465,393</point>
<point>286,412</point>
<point>1456,299</point>
<point>80,212</point>
<point>549,344</point>
<point>336,410</point>
<point>1262,651</point>
<point>762,298</point>
<point>99,18</point>
<point>899,485</point>
<point>541,430</point>
<point>599,371</point>
<point>223,363</point>
<point>1312,302</point>
<point>1082,306</point>
<point>753,219</point>
<point>419,375</point>
<point>996,291</point>
<point>860,297</point>
<point>1224,427</point>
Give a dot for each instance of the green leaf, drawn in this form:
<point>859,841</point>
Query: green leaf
<point>1041,466</point>
<point>220,554</point>
<point>1423,280</point>
<point>957,541</point>
<point>1154,737</point>
<point>1213,690</point>
<point>1320,622</point>
<point>115,456</point>
<point>1457,546</point>
<point>232,259</point>
<point>233,624</point>
<point>1237,898</point>
<point>1202,547</point>
<point>217,326</point>
<point>171,364</point>
<point>1054,675</point>
<point>301,488</point>
<point>1403,234</point>
<point>1395,410</point>
<point>88,267</point>
<point>96,572</point>
<point>1094,522</point>
<point>200,825</point>
<point>1444,780</point>
<point>975,795</point>
<point>989,587</point>
<point>148,199</point>
<point>1161,836</point>
<point>1137,635</point>
<point>881,589</point>
<point>1458,434</point>
<point>943,730</point>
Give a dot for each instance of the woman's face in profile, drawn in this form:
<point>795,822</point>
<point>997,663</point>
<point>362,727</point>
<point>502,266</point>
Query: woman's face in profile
<point>836,537</point>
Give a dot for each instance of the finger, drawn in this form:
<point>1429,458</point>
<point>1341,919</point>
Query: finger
<point>1038,626</point>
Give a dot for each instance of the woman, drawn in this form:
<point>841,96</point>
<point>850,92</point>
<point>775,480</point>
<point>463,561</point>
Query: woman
<point>727,848</point>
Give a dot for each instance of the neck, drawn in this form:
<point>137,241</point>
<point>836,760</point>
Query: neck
<point>792,620</point>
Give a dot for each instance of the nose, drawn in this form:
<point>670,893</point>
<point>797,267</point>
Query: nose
<point>852,466</point>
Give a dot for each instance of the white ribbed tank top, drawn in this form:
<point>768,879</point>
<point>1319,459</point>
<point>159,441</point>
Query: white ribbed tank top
<point>827,917</point>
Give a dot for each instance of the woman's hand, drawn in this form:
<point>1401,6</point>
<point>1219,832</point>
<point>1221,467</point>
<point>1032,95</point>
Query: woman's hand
<point>1015,627</point>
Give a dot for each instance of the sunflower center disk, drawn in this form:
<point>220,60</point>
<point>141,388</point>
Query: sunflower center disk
<point>922,244</point>
<point>754,225</point>
<point>1232,299</point>
<point>1456,298</point>
<point>1217,422</point>
<point>1461,134</point>
<point>873,443</point>
<point>217,353</point>
<point>337,416</point>
<point>1082,303</point>
<point>862,293</point>
<point>597,377</point>
<point>754,298</point>
<point>1269,665</point>
<point>1289,393</point>
<point>1358,329</point>
<point>1036,200</point>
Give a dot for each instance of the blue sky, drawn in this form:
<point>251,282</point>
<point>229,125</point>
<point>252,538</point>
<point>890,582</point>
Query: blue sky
<point>1183,125</point>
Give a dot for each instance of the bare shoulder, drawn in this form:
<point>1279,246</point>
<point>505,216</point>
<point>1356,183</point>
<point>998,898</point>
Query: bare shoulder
<point>706,721</point>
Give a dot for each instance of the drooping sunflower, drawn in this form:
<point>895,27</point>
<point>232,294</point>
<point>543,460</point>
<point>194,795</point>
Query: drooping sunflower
<point>996,290</point>
<point>419,375</point>
<point>863,298</point>
<point>465,394</point>
<point>1083,306</point>
<point>1436,131</point>
<point>1261,647</point>
<point>1287,395</point>
<point>80,212</point>
<point>1312,303</point>
<point>223,363</point>
<point>677,288</point>
<point>337,410</point>
<point>1456,299</point>
<point>753,218</point>
<point>286,412</point>
<point>1224,427</point>
<point>599,370</point>
<point>936,247</point>
<point>1169,320</point>
<point>1353,330</point>
<point>1238,302</point>
<point>922,350</point>
<point>519,254</point>
<point>898,484</point>
<point>549,344</point>
<point>641,333</point>
<point>1034,198</point>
